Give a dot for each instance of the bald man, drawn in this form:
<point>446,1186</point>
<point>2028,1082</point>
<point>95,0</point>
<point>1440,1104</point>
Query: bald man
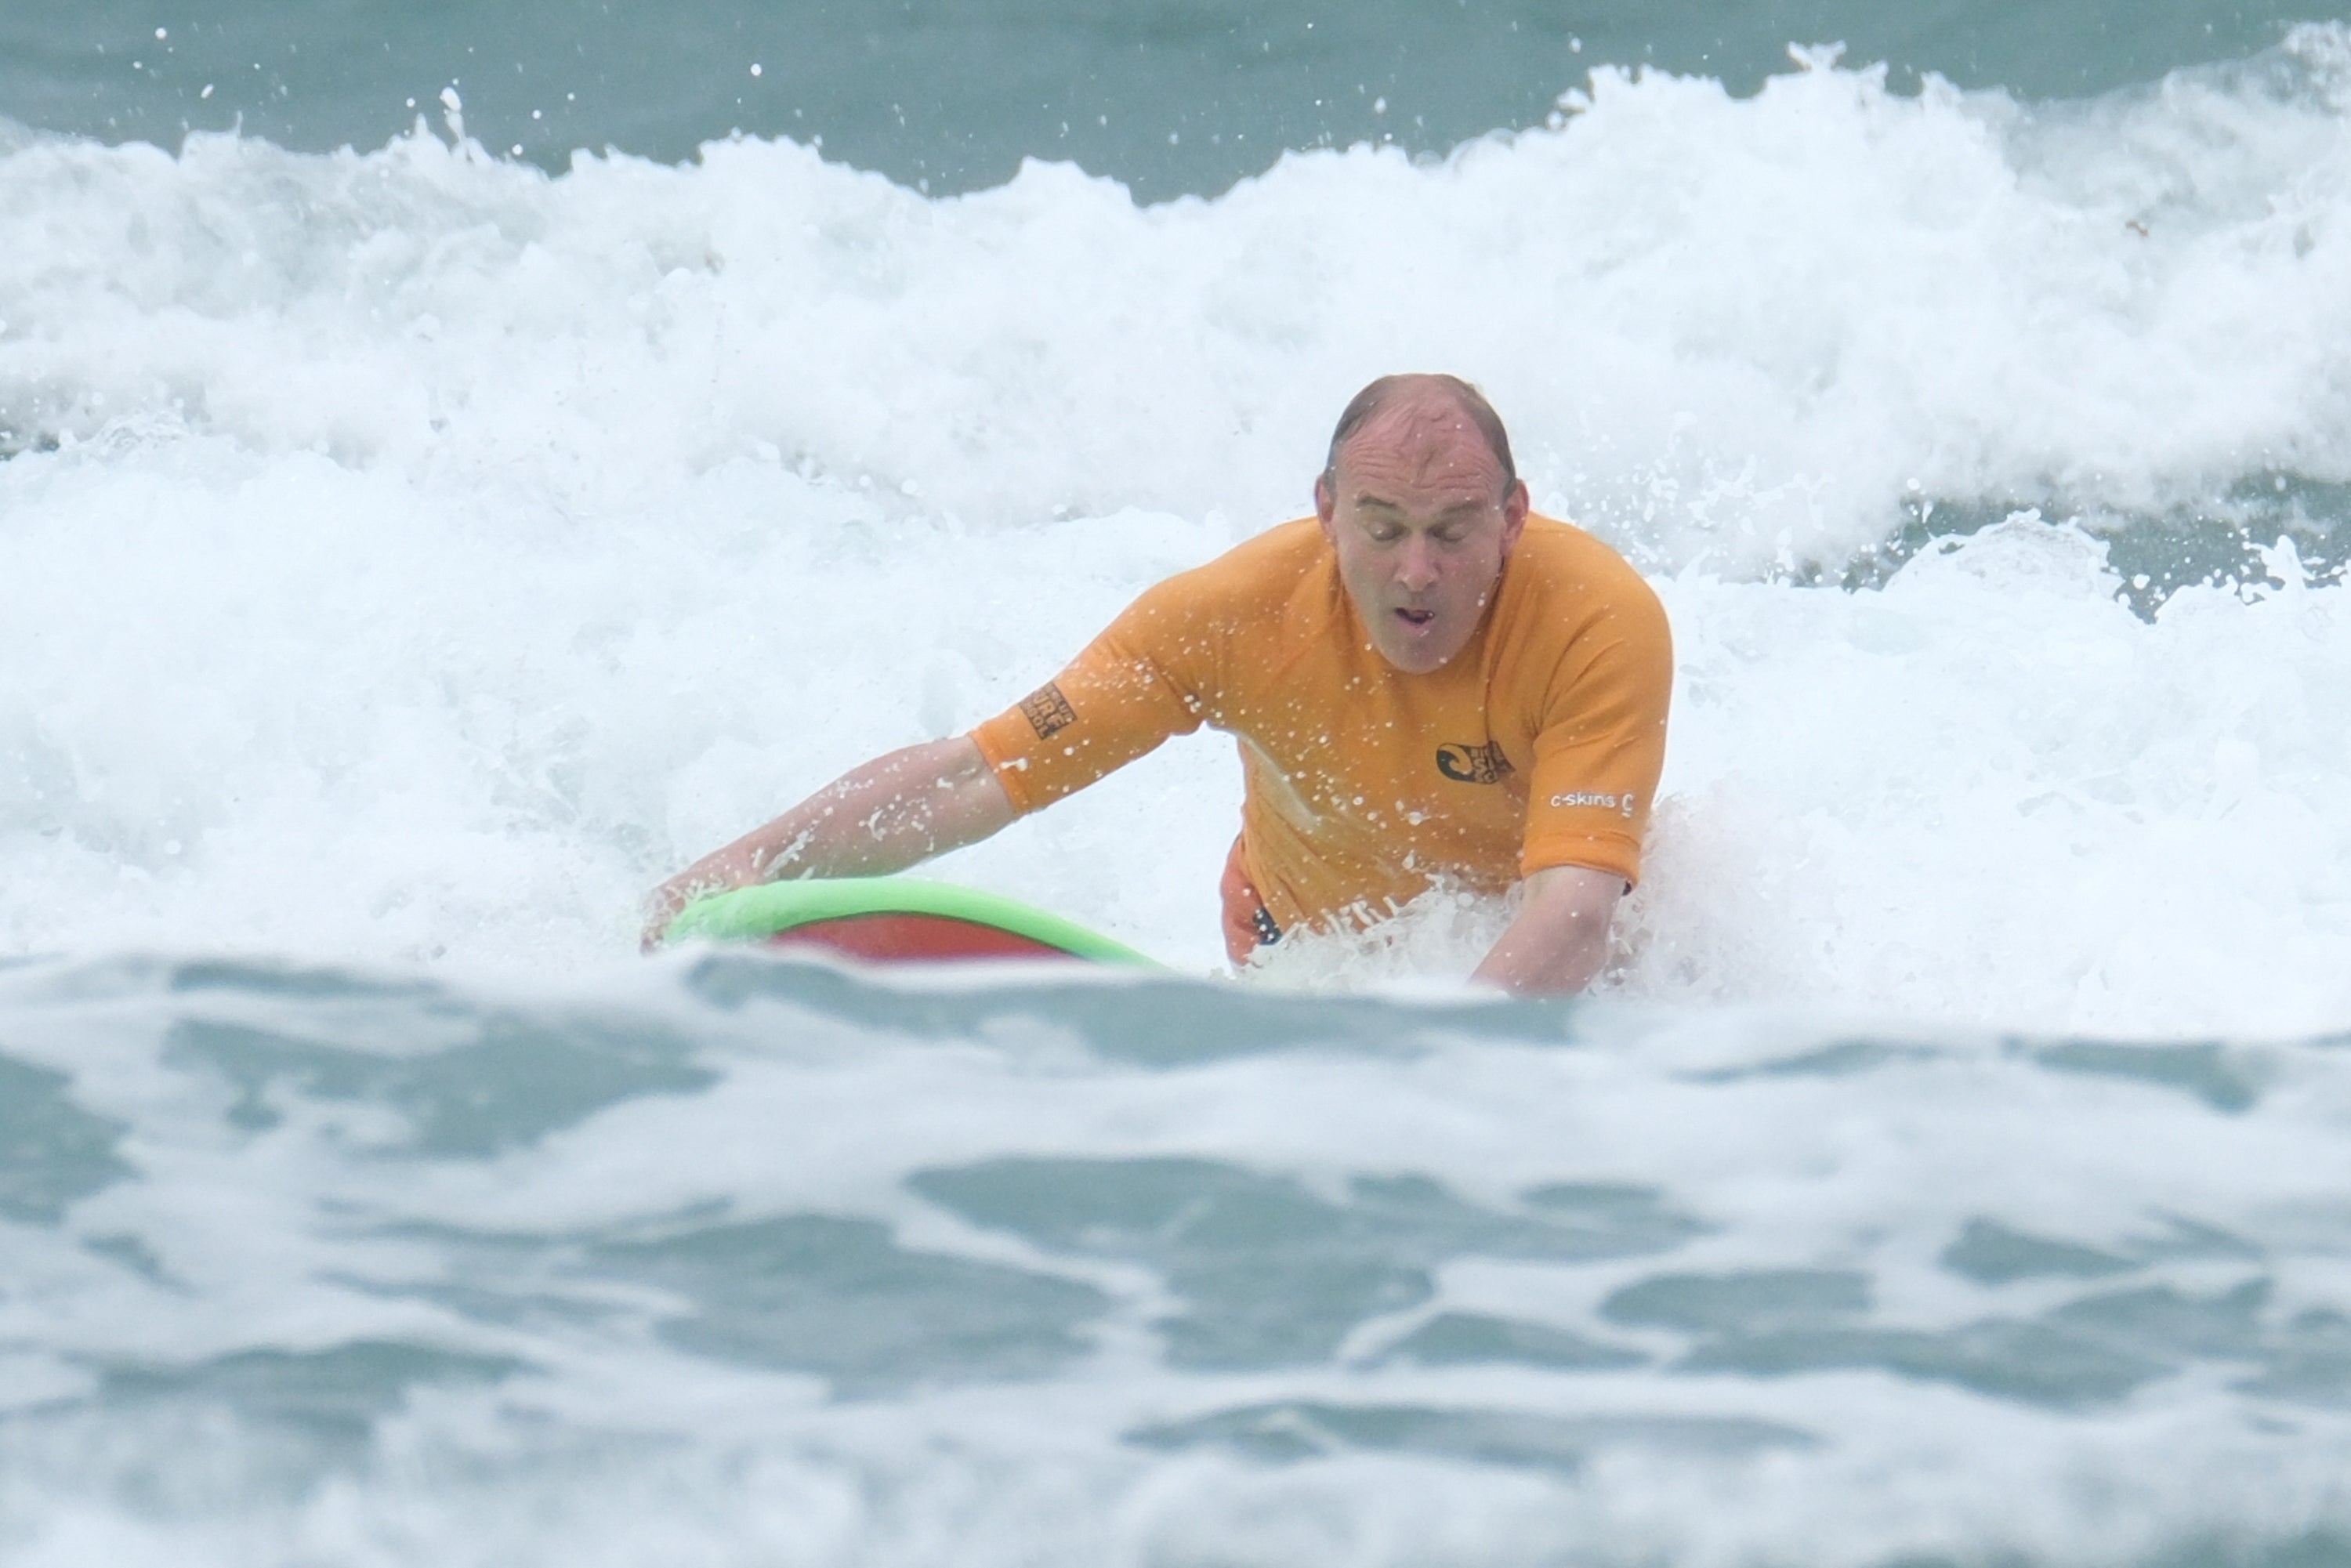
<point>1430,686</point>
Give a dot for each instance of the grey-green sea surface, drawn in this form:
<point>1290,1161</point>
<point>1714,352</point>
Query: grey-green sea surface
<point>1166,96</point>
<point>745,1259</point>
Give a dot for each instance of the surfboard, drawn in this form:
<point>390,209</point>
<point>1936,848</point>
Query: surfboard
<point>893,920</point>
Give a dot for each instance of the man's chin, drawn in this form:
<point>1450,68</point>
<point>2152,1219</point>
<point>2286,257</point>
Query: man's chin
<point>1416,655</point>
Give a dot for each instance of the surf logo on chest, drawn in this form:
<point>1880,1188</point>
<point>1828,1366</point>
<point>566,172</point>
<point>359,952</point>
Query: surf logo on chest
<point>1474,763</point>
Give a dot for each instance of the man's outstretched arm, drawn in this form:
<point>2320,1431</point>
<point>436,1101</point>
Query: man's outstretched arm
<point>1559,938</point>
<point>872,821</point>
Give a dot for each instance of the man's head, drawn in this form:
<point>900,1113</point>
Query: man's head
<point>1422,503</point>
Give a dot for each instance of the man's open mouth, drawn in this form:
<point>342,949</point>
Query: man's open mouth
<point>1417,617</point>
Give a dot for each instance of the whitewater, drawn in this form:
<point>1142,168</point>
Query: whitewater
<point>409,557</point>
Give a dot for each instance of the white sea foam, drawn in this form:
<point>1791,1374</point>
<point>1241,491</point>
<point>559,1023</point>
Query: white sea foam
<point>435,553</point>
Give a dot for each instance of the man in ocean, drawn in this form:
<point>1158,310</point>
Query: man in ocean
<point>1430,687</point>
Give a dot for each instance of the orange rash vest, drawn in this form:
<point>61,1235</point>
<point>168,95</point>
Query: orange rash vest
<point>1538,745</point>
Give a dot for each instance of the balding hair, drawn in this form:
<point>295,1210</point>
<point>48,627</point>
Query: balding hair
<point>1472,402</point>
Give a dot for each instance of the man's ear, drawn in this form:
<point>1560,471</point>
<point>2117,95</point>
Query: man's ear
<point>1514,514</point>
<point>1326,505</point>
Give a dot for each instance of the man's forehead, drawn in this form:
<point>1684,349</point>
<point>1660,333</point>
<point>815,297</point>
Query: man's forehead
<point>1428,446</point>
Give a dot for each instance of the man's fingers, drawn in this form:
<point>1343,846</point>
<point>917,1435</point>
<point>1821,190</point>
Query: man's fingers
<point>662,907</point>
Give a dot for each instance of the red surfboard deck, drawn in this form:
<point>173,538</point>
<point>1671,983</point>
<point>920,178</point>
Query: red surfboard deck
<point>892,919</point>
<point>911,937</point>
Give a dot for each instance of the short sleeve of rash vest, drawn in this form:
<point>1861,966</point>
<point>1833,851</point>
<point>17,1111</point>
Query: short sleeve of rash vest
<point>1601,746</point>
<point>1131,687</point>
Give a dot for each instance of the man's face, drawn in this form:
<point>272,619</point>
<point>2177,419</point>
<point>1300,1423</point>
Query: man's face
<point>1422,521</point>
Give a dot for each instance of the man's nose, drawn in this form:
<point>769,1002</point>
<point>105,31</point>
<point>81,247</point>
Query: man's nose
<point>1416,566</point>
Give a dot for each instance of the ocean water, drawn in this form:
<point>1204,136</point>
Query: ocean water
<point>1167,95</point>
<point>422,527</point>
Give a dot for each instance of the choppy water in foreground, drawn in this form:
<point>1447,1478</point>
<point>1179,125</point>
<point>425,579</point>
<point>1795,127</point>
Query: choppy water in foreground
<point>745,1260</point>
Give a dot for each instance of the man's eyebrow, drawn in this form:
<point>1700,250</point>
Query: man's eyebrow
<point>1367,501</point>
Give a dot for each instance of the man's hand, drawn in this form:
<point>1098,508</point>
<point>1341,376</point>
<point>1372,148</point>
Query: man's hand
<point>882,818</point>
<point>1559,938</point>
